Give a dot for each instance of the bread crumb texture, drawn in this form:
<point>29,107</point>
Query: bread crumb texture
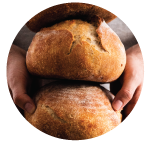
<point>74,110</point>
<point>77,50</point>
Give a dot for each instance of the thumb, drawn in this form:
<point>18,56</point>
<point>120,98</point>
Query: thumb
<point>125,94</point>
<point>22,100</point>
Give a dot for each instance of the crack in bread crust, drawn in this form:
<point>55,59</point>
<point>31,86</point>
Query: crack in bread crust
<point>72,46</point>
<point>53,114</point>
<point>77,50</point>
<point>74,110</point>
<point>81,31</point>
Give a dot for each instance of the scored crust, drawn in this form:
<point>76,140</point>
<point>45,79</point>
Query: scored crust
<point>74,110</point>
<point>77,50</point>
<point>67,11</point>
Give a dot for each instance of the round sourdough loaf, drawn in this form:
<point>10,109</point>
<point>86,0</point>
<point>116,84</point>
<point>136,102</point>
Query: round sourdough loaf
<point>77,50</point>
<point>74,110</point>
<point>66,11</point>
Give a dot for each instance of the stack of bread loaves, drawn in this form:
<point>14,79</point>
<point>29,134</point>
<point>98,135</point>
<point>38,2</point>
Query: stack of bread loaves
<point>74,42</point>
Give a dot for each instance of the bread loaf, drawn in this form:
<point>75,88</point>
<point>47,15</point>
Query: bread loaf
<point>77,50</point>
<point>74,110</point>
<point>66,11</point>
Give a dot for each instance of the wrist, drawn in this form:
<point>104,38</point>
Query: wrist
<point>15,50</point>
<point>134,52</point>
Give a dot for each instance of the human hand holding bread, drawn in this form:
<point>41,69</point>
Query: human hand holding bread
<point>19,79</point>
<point>131,81</point>
<point>76,50</point>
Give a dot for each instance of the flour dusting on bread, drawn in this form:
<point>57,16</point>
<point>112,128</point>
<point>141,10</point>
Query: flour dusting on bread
<point>77,50</point>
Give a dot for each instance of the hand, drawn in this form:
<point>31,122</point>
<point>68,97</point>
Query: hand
<point>131,82</point>
<point>19,80</point>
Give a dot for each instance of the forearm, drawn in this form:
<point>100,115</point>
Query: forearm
<point>135,51</point>
<point>15,52</point>
<point>16,60</point>
<point>19,79</point>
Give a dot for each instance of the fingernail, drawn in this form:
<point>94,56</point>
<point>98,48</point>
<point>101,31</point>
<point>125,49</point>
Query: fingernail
<point>117,105</point>
<point>29,108</point>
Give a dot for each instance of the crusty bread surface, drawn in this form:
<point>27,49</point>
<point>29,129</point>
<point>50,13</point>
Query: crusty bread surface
<point>61,12</point>
<point>77,50</point>
<point>74,110</point>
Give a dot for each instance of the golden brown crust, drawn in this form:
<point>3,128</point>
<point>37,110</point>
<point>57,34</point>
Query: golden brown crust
<point>67,11</point>
<point>74,110</point>
<point>75,50</point>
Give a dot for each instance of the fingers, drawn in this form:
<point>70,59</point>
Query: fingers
<point>19,80</point>
<point>129,107</point>
<point>18,87</point>
<point>124,95</point>
<point>22,100</point>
